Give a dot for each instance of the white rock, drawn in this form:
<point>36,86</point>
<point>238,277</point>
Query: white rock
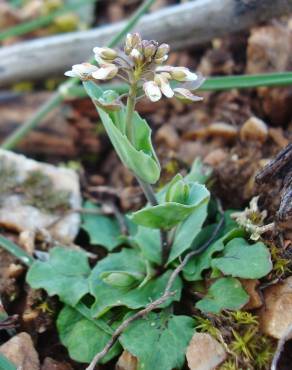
<point>204,352</point>
<point>17,215</point>
<point>21,352</point>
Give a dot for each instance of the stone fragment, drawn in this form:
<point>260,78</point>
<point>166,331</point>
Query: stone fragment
<point>215,157</point>
<point>254,297</point>
<point>222,129</point>
<point>254,129</point>
<point>204,352</point>
<point>126,361</point>
<point>276,315</point>
<point>21,352</point>
<point>18,214</point>
<point>50,364</point>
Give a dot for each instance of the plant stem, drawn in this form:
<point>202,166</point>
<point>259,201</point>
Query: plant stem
<point>130,128</point>
<point>58,97</point>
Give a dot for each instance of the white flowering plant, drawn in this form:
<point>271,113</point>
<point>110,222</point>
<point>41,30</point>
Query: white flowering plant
<point>129,299</point>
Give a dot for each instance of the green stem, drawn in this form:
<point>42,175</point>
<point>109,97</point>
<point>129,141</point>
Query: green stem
<point>16,251</point>
<point>58,97</point>
<point>45,20</point>
<point>130,129</point>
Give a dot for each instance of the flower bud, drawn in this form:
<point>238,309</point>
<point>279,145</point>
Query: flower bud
<point>178,192</point>
<point>162,50</point>
<point>105,53</point>
<point>136,56</point>
<point>161,60</point>
<point>120,279</point>
<point>149,48</point>
<point>183,74</point>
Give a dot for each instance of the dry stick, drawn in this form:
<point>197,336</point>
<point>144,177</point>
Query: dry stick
<point>155,304</point>
<point>180,26</point>
<point>58,97</point>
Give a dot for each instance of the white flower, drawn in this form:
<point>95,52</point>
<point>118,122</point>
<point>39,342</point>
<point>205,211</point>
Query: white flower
<point>105,72</point>
<point>105,53</point>
<point>152,90</point>
<point>162,81</point>
<point>83,71</point>
<point>181,74</point>
<point>136,55</point>
<point>185,94</point>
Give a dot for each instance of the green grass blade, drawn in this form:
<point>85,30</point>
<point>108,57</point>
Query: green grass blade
<point>16,251</point>
<point>45,20</point>
<point>247,81</point>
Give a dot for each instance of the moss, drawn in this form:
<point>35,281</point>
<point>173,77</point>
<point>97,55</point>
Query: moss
<point>247,347</point>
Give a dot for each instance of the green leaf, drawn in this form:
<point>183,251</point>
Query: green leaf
<point>226,293</point>
<point>102,230</point>
<point>141,158</point>
<point>6,364</point>
<point>148,241</point>
<point>188,230</point>
<point>130,261</point>
<point>199,172</point>
<point>243,260</point>
<point>64,274</point>
<point>83,337</point>
<point>159,341</point>
<point>198,264</point>
<point>169,214</point>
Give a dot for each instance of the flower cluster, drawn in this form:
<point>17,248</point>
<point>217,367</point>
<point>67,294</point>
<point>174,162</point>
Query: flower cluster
<point>141,64</point>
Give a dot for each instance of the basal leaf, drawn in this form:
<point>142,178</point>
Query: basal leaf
<point>198,264</point>
<point>168,214</point>
<point>225,293</point>
<point>108,295</point>
<point>83,337</point>
<point>159,341</point>
<point>148,241</point>
<point>102,230</point>
<point>64,274</point>
<point>243,260</point>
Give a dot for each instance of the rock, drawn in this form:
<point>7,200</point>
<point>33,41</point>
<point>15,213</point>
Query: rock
<point>47,183</point>
<point>222,129</point>
<point>50,364</point>
<point>204,352</point>
<point>126,361</point>
<point>215,157</point>
<point>21,352</point>
<point>254,297</point>
<point>254,129</point>
<point>276,315</point>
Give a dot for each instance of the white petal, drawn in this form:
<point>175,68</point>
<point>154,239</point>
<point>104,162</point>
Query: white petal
<point>152,91</point>
<point>185,94</point>
<point>164,86</point>
<point>105,72</point>
<point>71,74</point>
<point>165,69</point>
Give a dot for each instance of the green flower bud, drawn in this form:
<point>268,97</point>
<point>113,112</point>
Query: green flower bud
<point>178,192</point>
<point>119,279</point>
<point>149,48</point>
<point>162,50</point>
<point>105,53</point>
